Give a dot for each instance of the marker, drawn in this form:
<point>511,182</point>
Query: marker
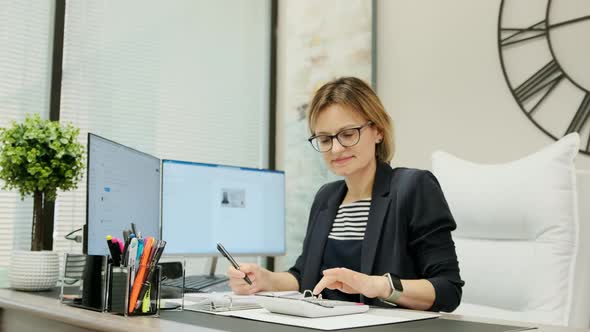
<point>120,244</point>
<point>114,250</point>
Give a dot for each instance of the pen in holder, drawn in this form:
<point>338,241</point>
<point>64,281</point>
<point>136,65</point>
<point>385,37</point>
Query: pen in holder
<point>121,286</point>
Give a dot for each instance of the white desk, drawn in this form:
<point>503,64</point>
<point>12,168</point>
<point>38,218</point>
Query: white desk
<point>22,311</point>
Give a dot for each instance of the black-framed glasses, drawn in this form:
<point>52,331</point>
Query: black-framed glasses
<point>346,137</point>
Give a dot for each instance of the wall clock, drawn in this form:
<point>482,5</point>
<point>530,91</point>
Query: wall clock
<point>544,48</point>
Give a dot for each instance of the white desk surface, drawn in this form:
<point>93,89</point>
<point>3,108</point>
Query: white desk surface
<point>48,308</point>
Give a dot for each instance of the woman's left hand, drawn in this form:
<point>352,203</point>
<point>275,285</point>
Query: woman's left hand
<point>352,282</point>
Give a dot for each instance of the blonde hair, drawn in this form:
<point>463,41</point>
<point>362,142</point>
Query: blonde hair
<point>358,96</point>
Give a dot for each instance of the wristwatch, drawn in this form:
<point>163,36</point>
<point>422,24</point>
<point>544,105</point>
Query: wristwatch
<point>396,289</point>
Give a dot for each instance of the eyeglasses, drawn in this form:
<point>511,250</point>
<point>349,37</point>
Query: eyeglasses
<point>347,137</point>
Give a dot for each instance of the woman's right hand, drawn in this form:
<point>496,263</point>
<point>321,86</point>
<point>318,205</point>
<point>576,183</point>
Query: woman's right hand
<point>259,276</point>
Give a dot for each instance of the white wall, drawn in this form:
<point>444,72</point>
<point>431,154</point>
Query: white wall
<point>439,76</point>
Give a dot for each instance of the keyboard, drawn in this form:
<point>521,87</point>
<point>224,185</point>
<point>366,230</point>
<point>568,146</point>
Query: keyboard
<point>217,288</point>
<point>195,283</point>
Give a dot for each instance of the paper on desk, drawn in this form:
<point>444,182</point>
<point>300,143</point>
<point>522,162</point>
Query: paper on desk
<point>370,318</point>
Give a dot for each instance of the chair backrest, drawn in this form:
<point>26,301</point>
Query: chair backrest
<point>74,267</point>
<point>517,234</point>
<point>73,270</point>
<point>580,314</point>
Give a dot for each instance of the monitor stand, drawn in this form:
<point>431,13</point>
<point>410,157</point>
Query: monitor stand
<point>215,278</point>
<point>213,267</point>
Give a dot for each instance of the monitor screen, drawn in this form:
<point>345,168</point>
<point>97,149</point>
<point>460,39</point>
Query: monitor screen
<point>123,188</point>
<point>202,204</point>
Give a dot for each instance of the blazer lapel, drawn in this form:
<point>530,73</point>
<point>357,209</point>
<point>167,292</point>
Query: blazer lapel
<point>379,205</point>
<point>319,237</point>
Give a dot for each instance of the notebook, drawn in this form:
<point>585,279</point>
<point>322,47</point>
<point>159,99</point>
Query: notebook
<point>218,302</point>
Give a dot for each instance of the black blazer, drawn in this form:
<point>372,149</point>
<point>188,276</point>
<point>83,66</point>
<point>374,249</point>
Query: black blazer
<point>408,234</point>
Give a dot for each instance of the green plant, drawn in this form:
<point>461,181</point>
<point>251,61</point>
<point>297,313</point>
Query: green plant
<point>39,157</point>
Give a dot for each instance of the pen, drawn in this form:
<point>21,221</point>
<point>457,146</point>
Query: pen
<point>131,257</point>
<point>231,260</point>
<point>125,240</point>
<point>130,237</point>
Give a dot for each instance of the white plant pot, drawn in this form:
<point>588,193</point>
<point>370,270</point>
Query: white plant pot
<point>34,270</point>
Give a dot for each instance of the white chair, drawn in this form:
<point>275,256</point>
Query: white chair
<point>522,250</point>
<point>580,313</point>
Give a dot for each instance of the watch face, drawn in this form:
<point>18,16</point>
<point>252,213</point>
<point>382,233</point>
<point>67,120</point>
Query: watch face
<point>397,284</point>
<point>544,48</point>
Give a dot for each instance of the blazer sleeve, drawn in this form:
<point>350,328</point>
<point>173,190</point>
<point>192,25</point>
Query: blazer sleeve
<point>431,244</point>
<point>297,269</point>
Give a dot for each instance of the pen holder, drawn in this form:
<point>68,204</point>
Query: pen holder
<point>121,290</point>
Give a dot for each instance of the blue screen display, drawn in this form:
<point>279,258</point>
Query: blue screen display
<point>202,204</point>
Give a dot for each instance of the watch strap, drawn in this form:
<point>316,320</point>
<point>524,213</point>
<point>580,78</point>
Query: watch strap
<point>396,289</point>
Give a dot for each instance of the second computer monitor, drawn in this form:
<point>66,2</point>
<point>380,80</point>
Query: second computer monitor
<point>203,204</point>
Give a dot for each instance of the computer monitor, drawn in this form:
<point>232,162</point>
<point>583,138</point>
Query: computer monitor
<point>123,188</point>
<point>202,204</point>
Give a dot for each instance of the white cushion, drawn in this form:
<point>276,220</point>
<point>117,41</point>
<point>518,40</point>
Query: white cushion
<point>517,228</point>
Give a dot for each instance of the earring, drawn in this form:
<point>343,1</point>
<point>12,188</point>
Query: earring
<point>378,141</point>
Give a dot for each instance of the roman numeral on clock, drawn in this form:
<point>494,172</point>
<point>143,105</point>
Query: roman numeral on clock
<point>520,35</point>
<point>543,81</point>
<point>581,118</point>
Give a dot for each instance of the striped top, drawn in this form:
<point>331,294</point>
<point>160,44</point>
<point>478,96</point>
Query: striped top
<point>343,248</point>
<point>351,221</point>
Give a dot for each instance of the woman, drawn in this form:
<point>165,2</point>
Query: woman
<point>380,233</point>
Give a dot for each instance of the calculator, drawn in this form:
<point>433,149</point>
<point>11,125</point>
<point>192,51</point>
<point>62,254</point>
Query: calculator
<point>310,307</point>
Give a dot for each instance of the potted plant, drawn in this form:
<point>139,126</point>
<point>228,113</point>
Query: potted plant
<point>39,157</point>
